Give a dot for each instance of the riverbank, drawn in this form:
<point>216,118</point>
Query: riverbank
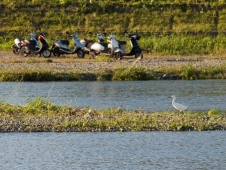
<point>150,61</point>
<point>17,68</point>
<point>42,116</point>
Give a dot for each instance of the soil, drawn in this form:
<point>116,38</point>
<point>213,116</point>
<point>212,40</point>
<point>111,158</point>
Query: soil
<point>9,60</point>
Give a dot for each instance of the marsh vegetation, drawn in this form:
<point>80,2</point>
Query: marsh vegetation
<point>40,115</point>
<point>188,72</point>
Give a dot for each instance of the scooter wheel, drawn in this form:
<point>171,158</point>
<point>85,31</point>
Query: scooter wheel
<point>15,49</point>
<point>109,51</point>
<point>23,52</point>
<point>80,54</point>
<point>118,55</point>
<point>56,52</point>
<point>46,53</point>
<point>137,54</point>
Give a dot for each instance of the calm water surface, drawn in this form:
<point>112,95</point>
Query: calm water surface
<point>111,151</point>
<point>132,95</point>
<point>132,151</point>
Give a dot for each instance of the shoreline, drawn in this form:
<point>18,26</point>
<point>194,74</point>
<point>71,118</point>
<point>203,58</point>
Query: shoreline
<point>69,68</point>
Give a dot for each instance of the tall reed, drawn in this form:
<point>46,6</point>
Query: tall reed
<point>184,44</point>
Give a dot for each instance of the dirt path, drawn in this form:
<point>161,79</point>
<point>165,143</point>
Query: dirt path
<point>9,60</point>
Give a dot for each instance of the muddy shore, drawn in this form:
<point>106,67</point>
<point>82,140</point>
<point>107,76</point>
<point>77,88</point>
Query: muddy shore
<point>9,60</point>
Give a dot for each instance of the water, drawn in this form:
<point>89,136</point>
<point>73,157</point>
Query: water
<point>132,95</point>
<point>110,151</point>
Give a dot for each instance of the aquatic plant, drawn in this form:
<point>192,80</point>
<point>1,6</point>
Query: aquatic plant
<point>190,73</point>
<point>133,73</point>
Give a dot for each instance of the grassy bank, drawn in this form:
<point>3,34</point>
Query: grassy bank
<point>166,27</point>
<point>57,17</point>
<point>185,72</point>
<point>40,115</point>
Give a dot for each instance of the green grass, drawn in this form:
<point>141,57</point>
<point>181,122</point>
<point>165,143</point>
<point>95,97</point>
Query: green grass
<point>175,44</point>
<point>40,115</point>
<point>186,72</point>
<point>131,73</point>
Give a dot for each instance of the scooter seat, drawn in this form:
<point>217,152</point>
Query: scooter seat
<point>86,40</point>
<point>104,44</point>
<point>30,42</point>
<point>21,39</point>
<point>88,43</point>
<point>65,42</point>
<point>122,42</point>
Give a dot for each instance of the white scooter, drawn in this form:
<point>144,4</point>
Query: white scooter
<point>60,47</point>
<point>100,47</point>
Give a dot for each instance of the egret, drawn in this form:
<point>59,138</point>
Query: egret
<point>178,106</point>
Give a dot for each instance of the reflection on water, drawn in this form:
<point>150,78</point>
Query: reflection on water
<point>110,151</point>
<point>132,95</point>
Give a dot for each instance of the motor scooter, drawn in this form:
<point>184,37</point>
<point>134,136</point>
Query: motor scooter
<point>101,47</point>
<point>18,41</point>
<point>135,48</point>
<point>60,47</point>
<point>29,47</point>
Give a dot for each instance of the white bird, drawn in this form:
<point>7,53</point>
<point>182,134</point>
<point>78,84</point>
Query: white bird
<point>178,106</point>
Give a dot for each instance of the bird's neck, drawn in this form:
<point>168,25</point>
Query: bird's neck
<point>173,101</point>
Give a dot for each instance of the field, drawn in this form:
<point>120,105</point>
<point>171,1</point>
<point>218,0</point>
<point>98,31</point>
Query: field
<point>167,27</point>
